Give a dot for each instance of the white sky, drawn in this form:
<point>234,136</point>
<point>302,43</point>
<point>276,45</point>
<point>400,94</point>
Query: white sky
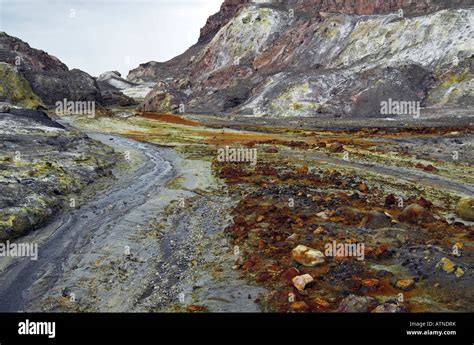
<point>104,35</point>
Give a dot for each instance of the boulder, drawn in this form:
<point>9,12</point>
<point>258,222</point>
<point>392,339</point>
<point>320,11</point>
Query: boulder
<point>415,214</point>
<point>389,307</point>
<point>336,147</point>
<point>356,304</point>
<point>307,256</point>
<point>300,282</point>
<point>465,209</point>
<point>376,220</point>
<point>446,265</point>
<point>405,284</point>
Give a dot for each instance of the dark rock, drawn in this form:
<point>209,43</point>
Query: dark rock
<point>48,77</point>
<point>336,147</point>
<point>389,307</point>
<point>356,304</point>
<point>383,273</point>
<point>37,116</point>
<point>74,85</point>
<point>289,274</point>
<point>415,213</point>
<point>390,200</point>
<point>375,220</point>
<point>4,108</point>
<point>110,98</point>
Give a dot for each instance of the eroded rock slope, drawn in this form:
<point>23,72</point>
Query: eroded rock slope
<point>290,58</point>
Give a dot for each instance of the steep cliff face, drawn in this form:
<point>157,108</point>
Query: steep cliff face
<point>306,58</point>
<point>159,71</point>
<point>228,10</point>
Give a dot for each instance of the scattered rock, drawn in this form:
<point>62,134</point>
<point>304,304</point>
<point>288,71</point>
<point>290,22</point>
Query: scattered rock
<point>459,272</point>
<point>293,238</point>
<point>415,213</point>
<point>390,200</point>
<point>356,304</point>
<point>321,144</point>
<point>389,307</point>
<point>322,215</point>
<point>465,209</point>
<point>322,302</point>
<point>303,170</point>
<point>336,147</point>
<point>319,231</point>
<point>405,284</point>
<point>300,282</point>
<point>375,220</point>
<point>424,203</point>
<point>271,150</point>
<point>446,265</point>
<point>370,283</point>
<point>363,188</point>
<point>307,256</point>
<point>4,107</point>
<point>428,168</point>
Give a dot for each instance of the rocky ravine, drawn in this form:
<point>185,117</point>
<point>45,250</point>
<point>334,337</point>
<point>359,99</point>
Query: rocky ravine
<point>134,248</point>
<point>288,58</point>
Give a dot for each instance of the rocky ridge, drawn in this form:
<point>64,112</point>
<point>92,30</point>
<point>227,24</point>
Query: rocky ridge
<point>49,78</point>
<point>32,78</point>
<point>343,58</point>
